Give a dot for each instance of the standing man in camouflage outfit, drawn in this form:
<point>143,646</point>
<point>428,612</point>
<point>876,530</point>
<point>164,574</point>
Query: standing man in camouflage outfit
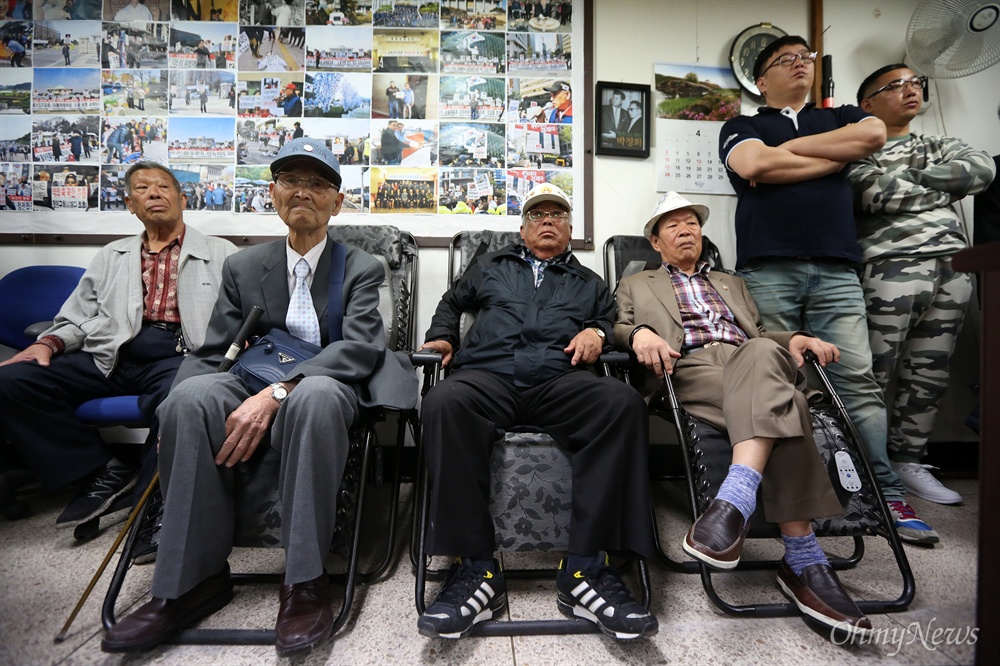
<point>908,230</point>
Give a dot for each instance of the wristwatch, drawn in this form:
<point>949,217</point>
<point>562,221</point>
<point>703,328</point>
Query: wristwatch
<point>597,330</point>
<point>279,392</point>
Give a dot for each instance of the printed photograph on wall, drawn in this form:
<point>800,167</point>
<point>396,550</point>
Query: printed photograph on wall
<point>338,95</point>
<point>347,138</point>
<point>128,140</point>
<point>540,16</point>
<point>15,138</point>
<point>209,187</point>
<point>65,187</point>
<point>520,181</point>
<point>15,187</point>
<point>532,54</point>
<point>201,45</point>
<point>339,49</point>
<point>69,138</point>
<point>544,100</point>
<point>264,94</point>
<point>16,44</point>
<point>473,191</point>
<point>472,98</point>
<point>405,96</point>
<point>539,146</point>
<point>65,90</point>
<point>66,44</point>
<point>405,51</point>
<point>201,140</point>
<point>54,10</point>
<point>409,143</point>
<point>16,92</point>
<point>622,115</point>
<point>472,145</point>
<point>406,15</point>
<point>134,92</point>
<point>691,92</point>
<point>324,12</point>
<point>128,11</point>
<point>403,189</point>
<point>216,10</point>
<point>203,92</point>
<point>476,16</point>
<point>252,186</point>
<point>135,45</point>
<point>473,52</point>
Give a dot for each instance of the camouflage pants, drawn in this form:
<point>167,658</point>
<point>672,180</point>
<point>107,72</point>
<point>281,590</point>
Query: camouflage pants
<point>915,312</point>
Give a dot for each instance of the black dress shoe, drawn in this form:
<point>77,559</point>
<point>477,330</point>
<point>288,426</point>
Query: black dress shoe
<point>716,538</point>
<point>159,620</point>
<point>305,618</point>
<point>818,593</point>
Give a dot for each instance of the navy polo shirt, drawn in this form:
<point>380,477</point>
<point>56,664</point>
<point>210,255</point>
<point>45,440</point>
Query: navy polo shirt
<point>812,218</point>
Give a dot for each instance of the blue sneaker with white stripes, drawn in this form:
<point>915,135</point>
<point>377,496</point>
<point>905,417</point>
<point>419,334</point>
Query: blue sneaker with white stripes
<point>600,596</point>
<point>469,596</point>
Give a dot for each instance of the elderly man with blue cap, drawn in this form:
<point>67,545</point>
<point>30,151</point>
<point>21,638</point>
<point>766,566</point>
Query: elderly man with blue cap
<point>212,422</point>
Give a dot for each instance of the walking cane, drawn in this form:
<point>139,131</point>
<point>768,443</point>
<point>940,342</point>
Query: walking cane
<point>227,362</point>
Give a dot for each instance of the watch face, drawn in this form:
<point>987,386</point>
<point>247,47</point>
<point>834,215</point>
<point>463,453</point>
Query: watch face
<point>745,49</point>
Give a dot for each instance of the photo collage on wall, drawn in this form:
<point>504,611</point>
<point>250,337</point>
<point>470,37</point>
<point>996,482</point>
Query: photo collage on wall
<point>457,106</point>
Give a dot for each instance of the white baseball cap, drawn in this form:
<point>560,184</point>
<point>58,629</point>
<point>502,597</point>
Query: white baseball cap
<point>545,192</point>
<point>672,201</point>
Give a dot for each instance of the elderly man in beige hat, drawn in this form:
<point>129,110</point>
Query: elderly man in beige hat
<point>541,318</point>
<point>702,327</point>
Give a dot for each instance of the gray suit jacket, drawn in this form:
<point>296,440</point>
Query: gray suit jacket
<point>105,310</point>
<point>258,276</point>
<point>648,298</point>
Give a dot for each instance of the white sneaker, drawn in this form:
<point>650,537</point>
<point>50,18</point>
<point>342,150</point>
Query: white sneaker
<point>919,481</point>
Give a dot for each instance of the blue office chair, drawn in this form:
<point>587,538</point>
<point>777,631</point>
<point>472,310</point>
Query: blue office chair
<point>30,297</point>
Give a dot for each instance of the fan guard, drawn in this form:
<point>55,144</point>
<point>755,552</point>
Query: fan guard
<point>948,39</point>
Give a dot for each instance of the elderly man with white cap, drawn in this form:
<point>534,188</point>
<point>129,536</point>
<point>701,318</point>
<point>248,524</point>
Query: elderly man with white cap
<point>541,317</point>
<point>323,293</point>
<point>701,326</point>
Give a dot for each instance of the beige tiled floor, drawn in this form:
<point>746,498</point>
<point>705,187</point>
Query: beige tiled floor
<point>43,572</point>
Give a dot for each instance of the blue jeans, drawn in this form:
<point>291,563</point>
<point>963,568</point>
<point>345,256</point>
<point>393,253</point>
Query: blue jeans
<point>825,300</point>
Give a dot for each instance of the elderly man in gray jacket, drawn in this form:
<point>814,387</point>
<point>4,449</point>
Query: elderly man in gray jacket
<point>140,306</point>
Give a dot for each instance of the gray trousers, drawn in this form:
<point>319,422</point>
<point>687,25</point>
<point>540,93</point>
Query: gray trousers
<point>311,432</point>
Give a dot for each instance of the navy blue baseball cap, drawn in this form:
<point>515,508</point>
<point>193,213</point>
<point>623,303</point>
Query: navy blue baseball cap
<point>312,151</point>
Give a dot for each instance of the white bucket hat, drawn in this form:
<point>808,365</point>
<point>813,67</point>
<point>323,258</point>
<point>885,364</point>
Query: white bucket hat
<point>672,201</point>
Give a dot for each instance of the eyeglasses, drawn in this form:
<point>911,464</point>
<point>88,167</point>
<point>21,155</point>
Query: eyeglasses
<point>787,60</point>
<point>897,86</point>
<point>539,215</point>
<point>316,185</point>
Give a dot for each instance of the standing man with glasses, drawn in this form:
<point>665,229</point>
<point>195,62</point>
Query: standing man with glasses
<point>796,240</point>
<point>908,229</point>
<point>211,422</point>
<point>541,317</point>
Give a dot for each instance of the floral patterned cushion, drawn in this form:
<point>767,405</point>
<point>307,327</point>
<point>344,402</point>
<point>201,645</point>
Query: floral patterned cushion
<point>258,508</point>
<point>531,491</point>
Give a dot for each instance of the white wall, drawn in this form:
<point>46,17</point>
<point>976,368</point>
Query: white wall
<point>630,35</point>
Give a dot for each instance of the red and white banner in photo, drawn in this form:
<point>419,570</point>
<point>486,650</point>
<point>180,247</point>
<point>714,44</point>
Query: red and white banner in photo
<point>69,197</point>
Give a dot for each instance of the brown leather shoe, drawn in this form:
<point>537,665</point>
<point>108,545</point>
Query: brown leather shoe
<point>716,538</point>
<point>818,593</point>
<point>305,618</point>
<point>159,620</point>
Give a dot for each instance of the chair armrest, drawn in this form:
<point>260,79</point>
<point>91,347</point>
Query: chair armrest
<point>430,361</point>
<point>422,359</point>
<point>37,329</point>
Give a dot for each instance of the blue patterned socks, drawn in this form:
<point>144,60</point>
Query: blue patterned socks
<point>740,489</point>
<point>802,552</point>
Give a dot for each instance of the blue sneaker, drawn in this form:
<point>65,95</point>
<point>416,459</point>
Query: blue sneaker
<point>908,526</point>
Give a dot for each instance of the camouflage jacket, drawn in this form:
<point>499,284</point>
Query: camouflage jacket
<point>905,195</point>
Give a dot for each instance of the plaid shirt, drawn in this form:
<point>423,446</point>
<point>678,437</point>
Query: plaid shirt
<point>159,282</point>
<point>539,265</point>
<point>705,316</point>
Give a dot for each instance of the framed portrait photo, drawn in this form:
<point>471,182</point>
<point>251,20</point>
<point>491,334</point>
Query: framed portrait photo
<point>622,116</point>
